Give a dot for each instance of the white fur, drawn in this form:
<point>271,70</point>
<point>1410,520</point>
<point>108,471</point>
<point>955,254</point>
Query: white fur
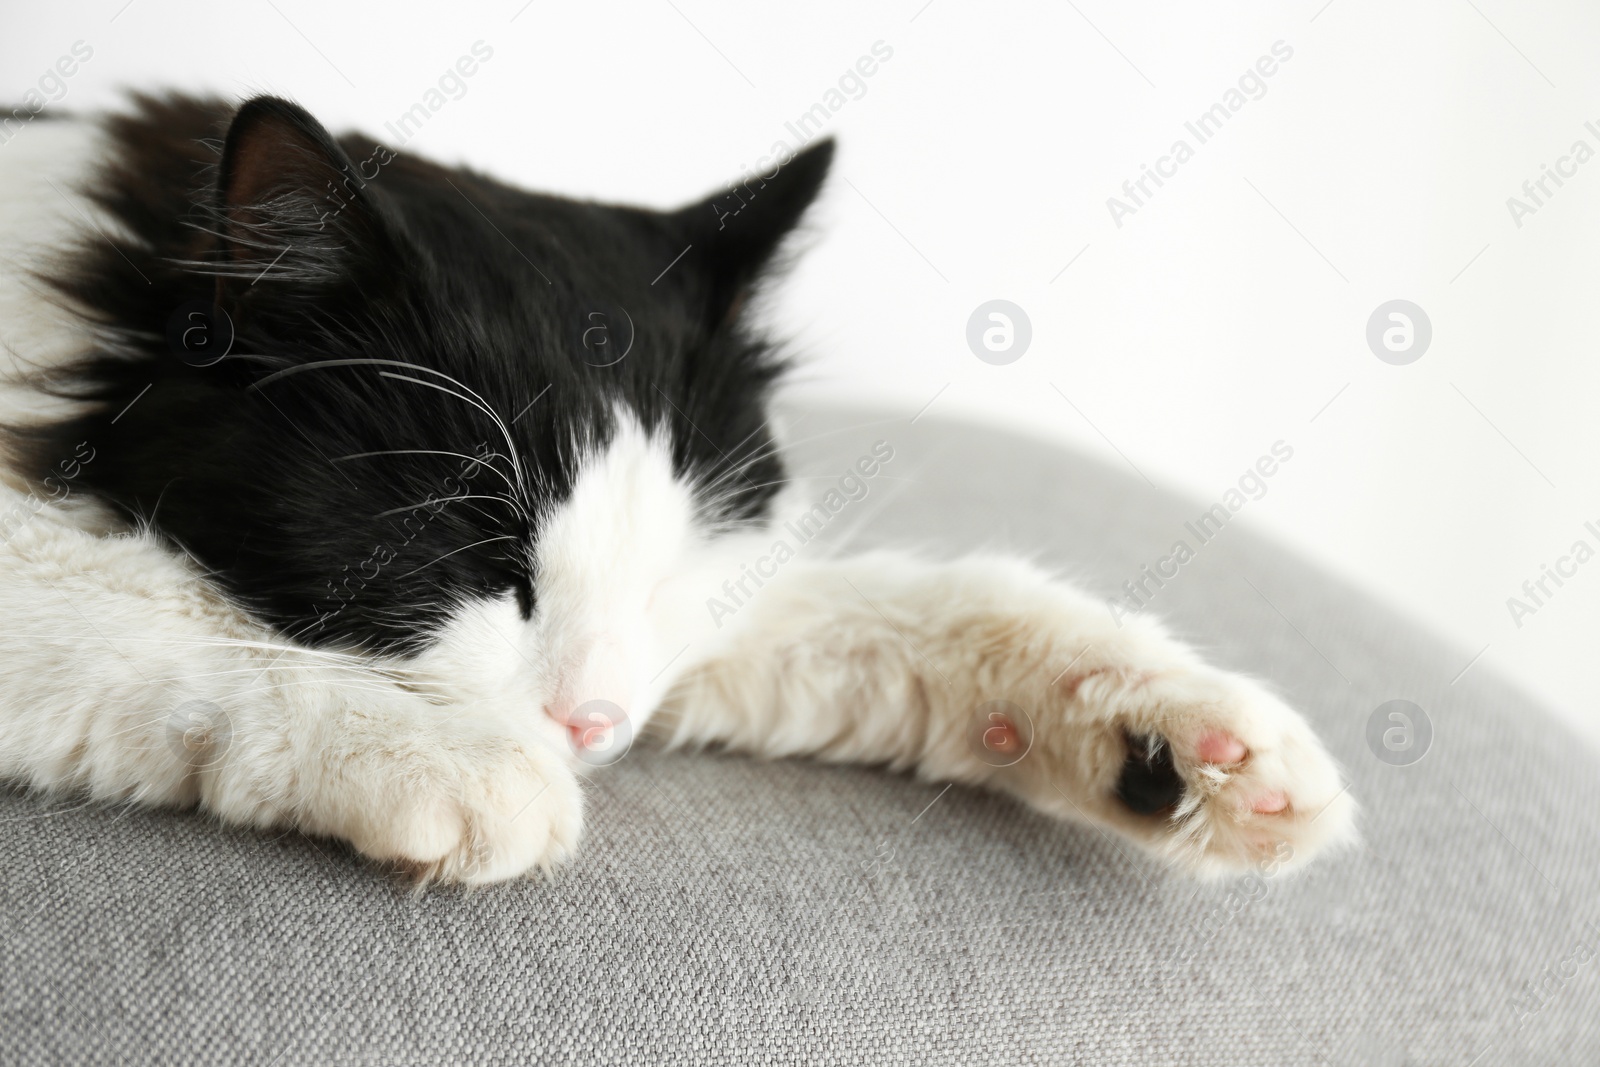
<point>125,674</point>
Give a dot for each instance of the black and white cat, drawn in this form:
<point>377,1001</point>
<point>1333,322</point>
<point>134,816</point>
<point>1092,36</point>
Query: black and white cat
<point>322,509</point>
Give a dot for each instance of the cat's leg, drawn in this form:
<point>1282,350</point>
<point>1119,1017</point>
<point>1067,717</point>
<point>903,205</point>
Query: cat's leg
<point>989,672</point>
<point>124,675</point>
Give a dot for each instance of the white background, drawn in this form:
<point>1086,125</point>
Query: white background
<point>1228,313</point>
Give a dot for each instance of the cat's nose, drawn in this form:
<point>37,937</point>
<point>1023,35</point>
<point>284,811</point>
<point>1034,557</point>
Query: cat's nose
<point>588,714</point>
<point>588,717</point>
<point>598,731</point>
<point>593,695</point>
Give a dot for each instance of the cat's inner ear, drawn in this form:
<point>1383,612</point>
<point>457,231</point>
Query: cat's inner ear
<point>293,208</point>
<point>736,231</point>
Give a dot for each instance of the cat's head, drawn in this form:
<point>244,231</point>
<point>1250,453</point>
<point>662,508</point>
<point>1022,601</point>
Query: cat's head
<point>412,410</point>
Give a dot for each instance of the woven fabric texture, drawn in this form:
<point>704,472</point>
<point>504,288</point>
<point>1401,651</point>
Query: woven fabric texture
<point>725,911</point>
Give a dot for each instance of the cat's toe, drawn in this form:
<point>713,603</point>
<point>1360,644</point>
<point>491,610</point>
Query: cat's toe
<point>1219,776</point>
<point>486,815</point>
<point>1215,746</point>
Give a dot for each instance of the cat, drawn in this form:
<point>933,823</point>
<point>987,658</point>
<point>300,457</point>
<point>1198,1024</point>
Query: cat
<point>326,508</point>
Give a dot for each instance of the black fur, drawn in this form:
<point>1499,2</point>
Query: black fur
<point>256,232</point>
<point>1149,783</point>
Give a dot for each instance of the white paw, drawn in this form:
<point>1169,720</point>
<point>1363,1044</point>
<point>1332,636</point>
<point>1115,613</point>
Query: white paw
<point>1205,769</point>
<point>468,809</point>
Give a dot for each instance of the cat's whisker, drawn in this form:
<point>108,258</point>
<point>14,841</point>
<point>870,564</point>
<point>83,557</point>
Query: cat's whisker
<point>734,451</point>
<point>267,668</point>
<point>475,400</point>
<point>481,406</point>
<point>480,461</point>
<point>775,447</point>
<point>346,659</point>
<point>447,500</point>
<point>716,493</point>
<point>463,548</point>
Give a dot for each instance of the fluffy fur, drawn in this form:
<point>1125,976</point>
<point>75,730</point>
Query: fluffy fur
<point>327,508</point>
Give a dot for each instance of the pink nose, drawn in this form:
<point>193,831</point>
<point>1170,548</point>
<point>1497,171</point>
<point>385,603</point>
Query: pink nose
<point>590,713</point>
<point>594,671</point>
<point>597,730</point>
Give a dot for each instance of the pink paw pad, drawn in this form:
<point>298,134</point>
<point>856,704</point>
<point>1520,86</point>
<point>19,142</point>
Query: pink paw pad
<point>1270,803</point>
<point>1002,736</point>
<point>1218,747</point>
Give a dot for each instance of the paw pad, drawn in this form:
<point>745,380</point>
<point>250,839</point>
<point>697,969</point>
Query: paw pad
<point>1000,733</point>
<point>1218,747</point>
<point>1270,803</point>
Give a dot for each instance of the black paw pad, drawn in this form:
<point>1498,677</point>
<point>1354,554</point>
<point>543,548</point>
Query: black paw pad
<point>1149,784</point>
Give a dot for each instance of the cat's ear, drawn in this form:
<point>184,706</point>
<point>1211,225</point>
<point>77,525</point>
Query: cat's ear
<point>734,233</point>
<point>292,210</point>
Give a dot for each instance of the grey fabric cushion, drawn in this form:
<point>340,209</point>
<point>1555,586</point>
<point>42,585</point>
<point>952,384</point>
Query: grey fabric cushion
<point>729,912</point>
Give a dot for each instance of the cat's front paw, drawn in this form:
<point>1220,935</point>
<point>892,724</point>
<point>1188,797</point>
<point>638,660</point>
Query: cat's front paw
<point>1205,769</point>
<point>471,811</point>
